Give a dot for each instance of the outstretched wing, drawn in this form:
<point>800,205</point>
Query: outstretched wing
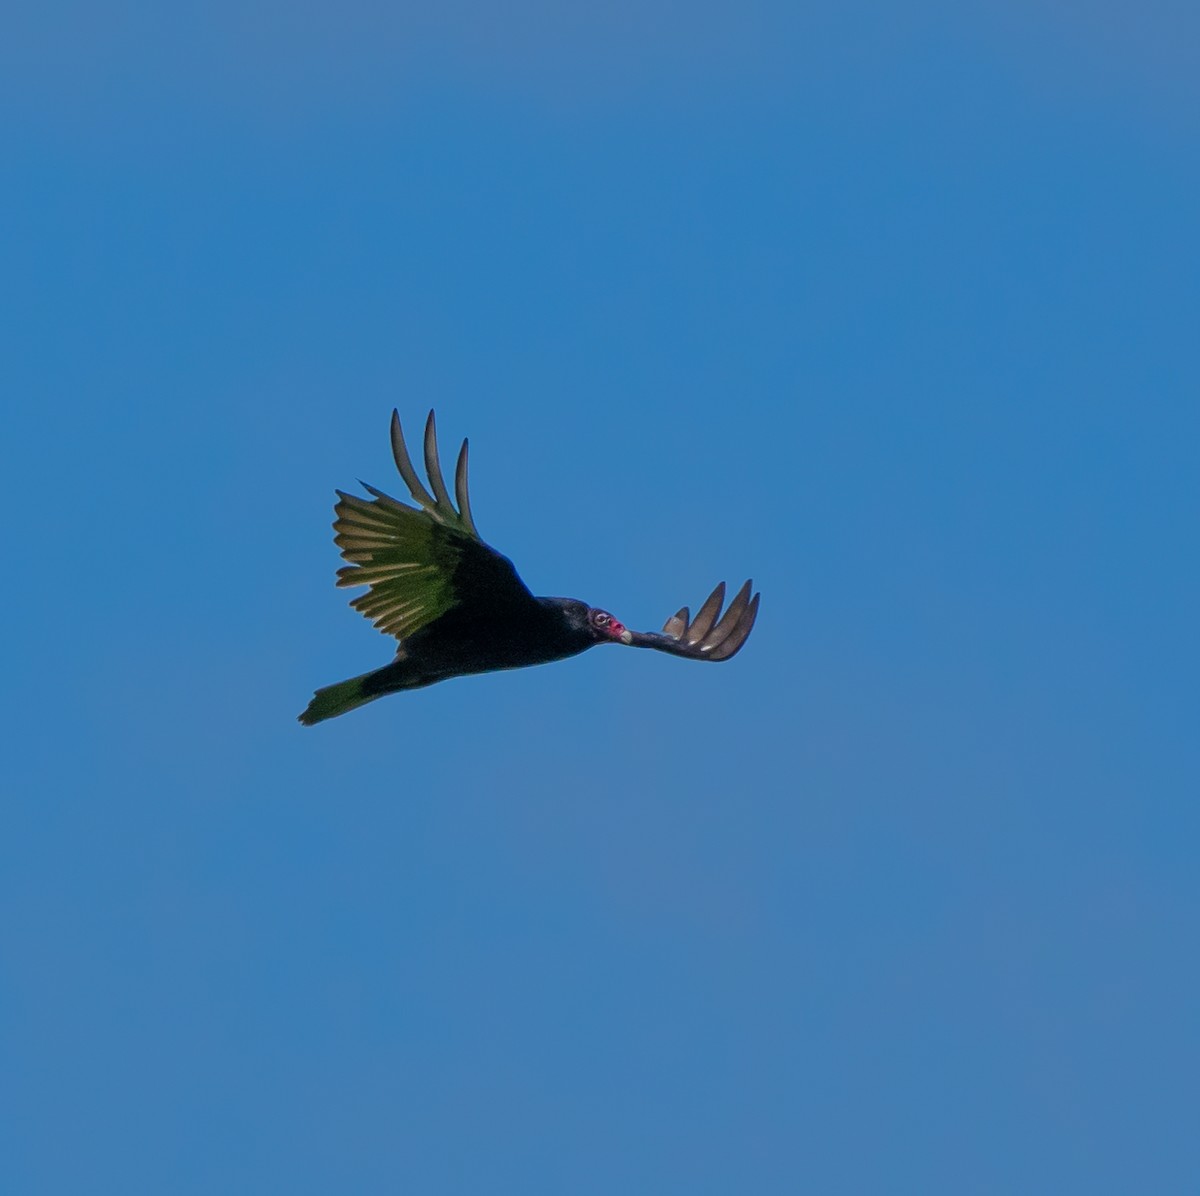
<point>706,637</point>
<point>421,561</point>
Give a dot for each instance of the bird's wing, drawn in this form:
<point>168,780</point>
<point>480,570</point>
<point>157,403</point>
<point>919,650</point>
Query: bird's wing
<point>421,561</point>
<point>706,637</point>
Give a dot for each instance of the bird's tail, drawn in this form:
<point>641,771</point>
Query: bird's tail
<point>337,699</point>
<point>358,691</point>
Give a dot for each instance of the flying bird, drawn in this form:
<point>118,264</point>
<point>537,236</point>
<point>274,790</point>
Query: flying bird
<point>457,606</point>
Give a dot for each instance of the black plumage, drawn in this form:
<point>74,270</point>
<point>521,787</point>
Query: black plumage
<point>457,606</point>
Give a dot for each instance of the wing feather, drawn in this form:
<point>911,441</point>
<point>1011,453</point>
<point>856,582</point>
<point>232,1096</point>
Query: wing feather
<point>420,562</point>
<point>705,617</point>
<point>460,490</point>
<point>729,620</point>
<point>705,637</point>
<point>433,467</point>
<point>404,465</point>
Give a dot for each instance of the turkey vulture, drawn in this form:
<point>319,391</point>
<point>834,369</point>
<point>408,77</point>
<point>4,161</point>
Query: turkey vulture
<point>457,606</point>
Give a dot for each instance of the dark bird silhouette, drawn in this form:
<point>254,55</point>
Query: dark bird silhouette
<point>457,606</point>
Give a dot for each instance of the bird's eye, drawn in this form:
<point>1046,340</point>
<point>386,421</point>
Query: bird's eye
<point>602,619</point>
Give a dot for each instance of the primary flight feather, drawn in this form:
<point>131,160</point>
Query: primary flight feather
<point>457,606</point>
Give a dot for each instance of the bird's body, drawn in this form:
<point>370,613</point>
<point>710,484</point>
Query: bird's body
<point>458,606</point>
<point>457,645</point>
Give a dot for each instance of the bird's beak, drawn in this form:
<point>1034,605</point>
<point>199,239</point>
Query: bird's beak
<point>626,636</point>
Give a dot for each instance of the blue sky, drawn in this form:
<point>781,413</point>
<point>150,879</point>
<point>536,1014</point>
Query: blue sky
<point>892,307</point>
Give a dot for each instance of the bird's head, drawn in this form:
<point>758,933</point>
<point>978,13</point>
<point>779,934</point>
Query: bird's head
<point>589,625</point>
<point>605,629</point>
